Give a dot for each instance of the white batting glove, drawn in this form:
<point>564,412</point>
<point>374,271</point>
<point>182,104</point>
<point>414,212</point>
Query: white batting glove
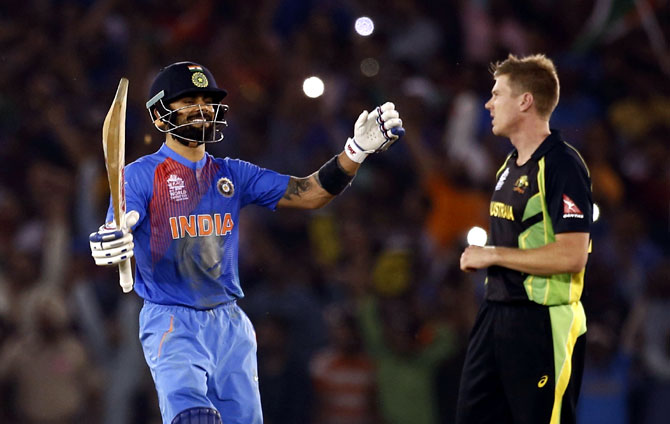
<point>374,132</point>
<point>110,245</point>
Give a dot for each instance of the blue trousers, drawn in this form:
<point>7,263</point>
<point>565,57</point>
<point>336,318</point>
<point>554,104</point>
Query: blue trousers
<point>202,358</point>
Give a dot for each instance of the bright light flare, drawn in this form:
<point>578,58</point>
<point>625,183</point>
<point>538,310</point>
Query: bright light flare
<point>477,236</point>
<point>313,87</point>
<point>364,26</point>
<point>596,212</point>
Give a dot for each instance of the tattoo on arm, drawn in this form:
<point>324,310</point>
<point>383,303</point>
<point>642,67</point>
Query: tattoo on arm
<point>297,186</point>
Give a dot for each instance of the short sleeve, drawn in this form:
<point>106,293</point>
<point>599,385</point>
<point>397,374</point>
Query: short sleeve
<point>568,191</point>
<point>139,186</point>
<point>260,186</point>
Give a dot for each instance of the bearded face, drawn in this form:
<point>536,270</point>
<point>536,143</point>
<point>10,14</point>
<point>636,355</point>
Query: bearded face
<point>194,119</point>
<point>195,123</point>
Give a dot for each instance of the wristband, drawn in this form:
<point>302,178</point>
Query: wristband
<point>332,177</point>
<point>354,151</point>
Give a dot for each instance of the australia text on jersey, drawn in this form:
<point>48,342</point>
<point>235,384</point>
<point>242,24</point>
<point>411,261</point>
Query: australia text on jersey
<point>201,225</point>
<point>501,210</point>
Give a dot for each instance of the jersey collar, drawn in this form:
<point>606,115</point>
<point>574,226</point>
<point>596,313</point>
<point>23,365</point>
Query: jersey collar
<point>552,140</point>
<point>165,150</point>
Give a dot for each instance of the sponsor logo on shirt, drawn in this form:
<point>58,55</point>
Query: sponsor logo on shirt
<point>201,225</point>
<point>176,188</point>
<point>570,209</point>
<point>502,179</point>
<point>501,210</point>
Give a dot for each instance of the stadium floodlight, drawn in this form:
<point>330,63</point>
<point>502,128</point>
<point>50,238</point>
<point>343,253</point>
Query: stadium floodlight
<point>313,87</point>
<point>364,26</point>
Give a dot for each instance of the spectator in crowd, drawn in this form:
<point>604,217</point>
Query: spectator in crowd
<point>343,375</point>
<point>47,367</point>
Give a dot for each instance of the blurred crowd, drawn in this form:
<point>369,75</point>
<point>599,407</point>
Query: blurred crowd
<point>361,312</point>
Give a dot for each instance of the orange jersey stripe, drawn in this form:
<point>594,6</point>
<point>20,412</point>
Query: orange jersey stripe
<point>160,346</point>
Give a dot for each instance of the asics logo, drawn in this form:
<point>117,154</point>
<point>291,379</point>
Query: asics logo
<point>543,381</point>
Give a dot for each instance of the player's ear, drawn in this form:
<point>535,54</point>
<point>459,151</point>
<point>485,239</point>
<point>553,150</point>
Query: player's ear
<point>158,121</point>
<point>526,101</point>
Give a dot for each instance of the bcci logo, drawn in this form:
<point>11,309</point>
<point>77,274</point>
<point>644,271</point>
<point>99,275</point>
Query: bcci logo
<point>225,187</point>
<point>199,80</point>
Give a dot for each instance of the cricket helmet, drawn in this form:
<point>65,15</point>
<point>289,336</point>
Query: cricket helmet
<point>179,80</point>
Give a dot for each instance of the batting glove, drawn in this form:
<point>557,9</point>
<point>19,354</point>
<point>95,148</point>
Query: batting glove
<point>374,132</point>
<point>110,245</point>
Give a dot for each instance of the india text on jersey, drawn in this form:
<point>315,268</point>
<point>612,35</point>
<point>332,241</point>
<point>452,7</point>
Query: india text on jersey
<point>201,225</point>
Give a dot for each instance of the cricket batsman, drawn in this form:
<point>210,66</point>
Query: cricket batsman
<point>182,229</point>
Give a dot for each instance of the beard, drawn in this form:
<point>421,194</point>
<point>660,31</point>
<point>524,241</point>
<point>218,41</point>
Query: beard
<point>195,133</point>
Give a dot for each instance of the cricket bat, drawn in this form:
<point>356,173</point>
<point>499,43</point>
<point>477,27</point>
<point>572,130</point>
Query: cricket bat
<point>114,146</point>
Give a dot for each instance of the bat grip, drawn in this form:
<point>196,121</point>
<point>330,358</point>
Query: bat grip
<point>126,276</point>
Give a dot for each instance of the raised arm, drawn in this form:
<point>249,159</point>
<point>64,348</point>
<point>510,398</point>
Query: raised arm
<point>309,193</point>
<point>374,132</point>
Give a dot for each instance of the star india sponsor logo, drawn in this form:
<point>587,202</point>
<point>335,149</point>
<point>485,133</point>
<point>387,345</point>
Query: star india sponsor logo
<point>177,188</point>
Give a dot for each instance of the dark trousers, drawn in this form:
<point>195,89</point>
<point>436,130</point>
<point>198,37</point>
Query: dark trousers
<point>509,371</point>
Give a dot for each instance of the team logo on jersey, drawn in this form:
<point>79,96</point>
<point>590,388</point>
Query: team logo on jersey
<point>570,209</point>
<point>225,187</point>
<point>521,184</point>
<point>176,188</point>
<point>502,179</point>
<point>199,80</point>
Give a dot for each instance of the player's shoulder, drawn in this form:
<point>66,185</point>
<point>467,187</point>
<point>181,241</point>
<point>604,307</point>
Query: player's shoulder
<point>225,163</point>
<point>235,164</point>
<point>565,156</point>
<point>143,165</point>
<point>220,160</point>
<point>229,161</point>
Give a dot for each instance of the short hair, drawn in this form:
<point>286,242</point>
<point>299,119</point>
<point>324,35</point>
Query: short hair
<point>535,74</point>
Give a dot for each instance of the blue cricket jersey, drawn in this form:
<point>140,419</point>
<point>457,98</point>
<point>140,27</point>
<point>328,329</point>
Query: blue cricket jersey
<point>186,239</point>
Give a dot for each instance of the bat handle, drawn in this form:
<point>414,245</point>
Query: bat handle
<point>126,276</point>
